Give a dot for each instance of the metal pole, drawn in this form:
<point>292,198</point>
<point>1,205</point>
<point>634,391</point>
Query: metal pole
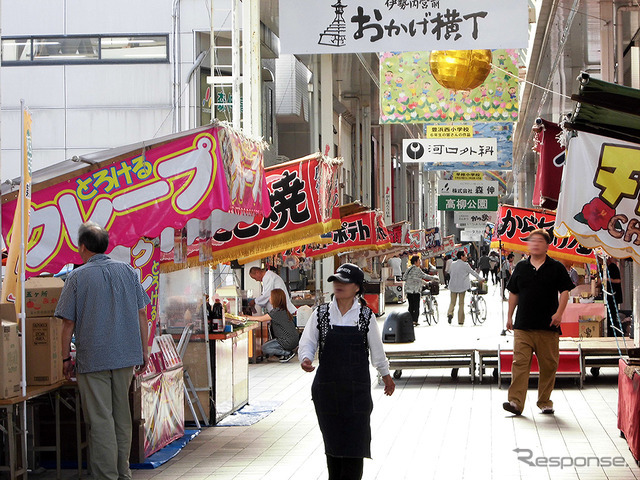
<point>22,316</point>
<point>235,65</point>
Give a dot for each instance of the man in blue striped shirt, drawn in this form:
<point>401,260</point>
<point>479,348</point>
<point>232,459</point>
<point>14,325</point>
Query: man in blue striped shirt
<point>104,303</point>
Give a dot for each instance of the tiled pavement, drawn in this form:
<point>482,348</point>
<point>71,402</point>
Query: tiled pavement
<point>433,427</point>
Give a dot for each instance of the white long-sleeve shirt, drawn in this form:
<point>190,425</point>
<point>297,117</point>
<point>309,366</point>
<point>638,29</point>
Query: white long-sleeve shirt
<point>310,337</point>
<point>271,281</point>
<point>460,271</point>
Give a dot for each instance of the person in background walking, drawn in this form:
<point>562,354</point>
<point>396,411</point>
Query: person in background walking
<point>459,284</point>
<point>346,334</point>
<point>484,265</point>
<point>534,287</point>
<point>414,280</point>
<point>505,273</point>
<point>494,260</point>
<point>104,303</point>
<point>447,269</point>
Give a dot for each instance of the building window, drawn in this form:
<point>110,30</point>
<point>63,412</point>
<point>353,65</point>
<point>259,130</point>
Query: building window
<point>74,49</point>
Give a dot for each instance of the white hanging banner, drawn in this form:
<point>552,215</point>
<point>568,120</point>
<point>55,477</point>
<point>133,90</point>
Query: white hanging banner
<point>358,26</point>
<point>455,150</point>
<point>599,199</point>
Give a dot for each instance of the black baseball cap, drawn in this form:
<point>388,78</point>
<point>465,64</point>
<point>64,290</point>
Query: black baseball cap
<point>348,273</point>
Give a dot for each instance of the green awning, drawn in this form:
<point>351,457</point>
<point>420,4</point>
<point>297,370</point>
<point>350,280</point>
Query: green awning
<point>607,109</point>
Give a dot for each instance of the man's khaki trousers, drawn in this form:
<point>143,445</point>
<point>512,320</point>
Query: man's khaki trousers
<point>459,296</point>
<point>545,344</point>
<point>105,401</point>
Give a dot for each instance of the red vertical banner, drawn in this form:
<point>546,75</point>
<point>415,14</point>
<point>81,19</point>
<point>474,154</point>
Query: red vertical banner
<point>145,259</point>
<point>551,163</point>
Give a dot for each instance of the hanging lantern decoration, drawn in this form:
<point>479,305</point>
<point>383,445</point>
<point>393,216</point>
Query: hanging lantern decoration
<point>460,69</point>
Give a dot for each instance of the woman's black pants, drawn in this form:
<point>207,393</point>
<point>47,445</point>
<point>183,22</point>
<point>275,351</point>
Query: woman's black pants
<point>414,306</point>
<point>344,468</point>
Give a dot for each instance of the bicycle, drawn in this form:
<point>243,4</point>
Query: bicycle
<point>477,304</point>
<point>430,306</point>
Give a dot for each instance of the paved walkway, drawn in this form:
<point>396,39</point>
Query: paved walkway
<point>433,427</point>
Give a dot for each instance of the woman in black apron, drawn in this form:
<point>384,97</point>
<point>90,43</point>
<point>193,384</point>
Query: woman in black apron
<point>344,332</point>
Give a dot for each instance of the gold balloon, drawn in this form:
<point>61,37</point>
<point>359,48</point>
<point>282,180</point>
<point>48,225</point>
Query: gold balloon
<point>460,69</point>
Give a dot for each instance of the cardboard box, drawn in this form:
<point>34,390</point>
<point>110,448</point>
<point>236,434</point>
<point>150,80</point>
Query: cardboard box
<point>42,295</point>
<point>10,359</point>
<point>43,341</point>
<point>590,326</point>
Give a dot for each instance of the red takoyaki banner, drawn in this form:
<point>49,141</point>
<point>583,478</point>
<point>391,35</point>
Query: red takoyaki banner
<point>141,193</point>
<point>515,224</point>
<point>303,196</point>
<point>357,232</point>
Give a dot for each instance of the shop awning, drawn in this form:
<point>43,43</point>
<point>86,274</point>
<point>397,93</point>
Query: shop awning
<point>515,224</point>
<point>362,231</point>
<point>303,197</point>
<point>606,109</point>
<point>142,190</point>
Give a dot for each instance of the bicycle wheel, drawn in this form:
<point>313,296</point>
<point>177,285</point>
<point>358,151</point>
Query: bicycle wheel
<point>481,309</point>
<point>429,310</point>
<point>473,309</point>
<point>425,309</point>
<point>434,308</point>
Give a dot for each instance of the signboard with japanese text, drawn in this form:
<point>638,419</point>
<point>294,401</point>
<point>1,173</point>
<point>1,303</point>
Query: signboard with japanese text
<point>410,94</point>
<point>432,237</point>
<point>399,233</point>
<point>599,200</point>
<point>466,203</point>
<point>417,241</point>
<point>447,245</point>
<point>361,231</point>
<point>303,195</point>
<point>463,219</point>
<point>515,224</point>
<point>145,260</point>
<point>470,188</point>
<point>471,234</point>
<point>159,187</point>
<point>449,131</point>
<point>450,150</point>
<point>343,26</point>
<point>502,133</point>
<point>468,176</point>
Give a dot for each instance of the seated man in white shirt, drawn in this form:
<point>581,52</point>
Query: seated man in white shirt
<point>270,281</point>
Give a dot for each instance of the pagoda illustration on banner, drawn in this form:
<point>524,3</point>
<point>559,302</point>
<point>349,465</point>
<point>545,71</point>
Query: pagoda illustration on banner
<point>335,34</point>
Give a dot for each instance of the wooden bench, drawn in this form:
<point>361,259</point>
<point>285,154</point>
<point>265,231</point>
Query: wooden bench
<point>570,365</point>
<point>422,359</point>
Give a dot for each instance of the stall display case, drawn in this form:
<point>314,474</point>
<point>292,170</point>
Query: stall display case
<point>218,363</point>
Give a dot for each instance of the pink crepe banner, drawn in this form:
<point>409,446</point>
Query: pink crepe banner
<point>140,195</point>
<point>145,259</point>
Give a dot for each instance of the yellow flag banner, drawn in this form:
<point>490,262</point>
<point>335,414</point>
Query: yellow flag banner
<point>11,288</point>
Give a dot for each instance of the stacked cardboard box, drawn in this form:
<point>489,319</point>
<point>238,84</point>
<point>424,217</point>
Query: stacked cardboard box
<point>43,331</point>
<point>10,353</point>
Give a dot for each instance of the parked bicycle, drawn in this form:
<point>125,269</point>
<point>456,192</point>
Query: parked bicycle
<point>477,304</point>
<point>430,303</point>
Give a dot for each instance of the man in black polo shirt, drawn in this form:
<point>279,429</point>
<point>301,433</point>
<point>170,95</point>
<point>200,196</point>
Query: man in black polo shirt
<point>535,285</point>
